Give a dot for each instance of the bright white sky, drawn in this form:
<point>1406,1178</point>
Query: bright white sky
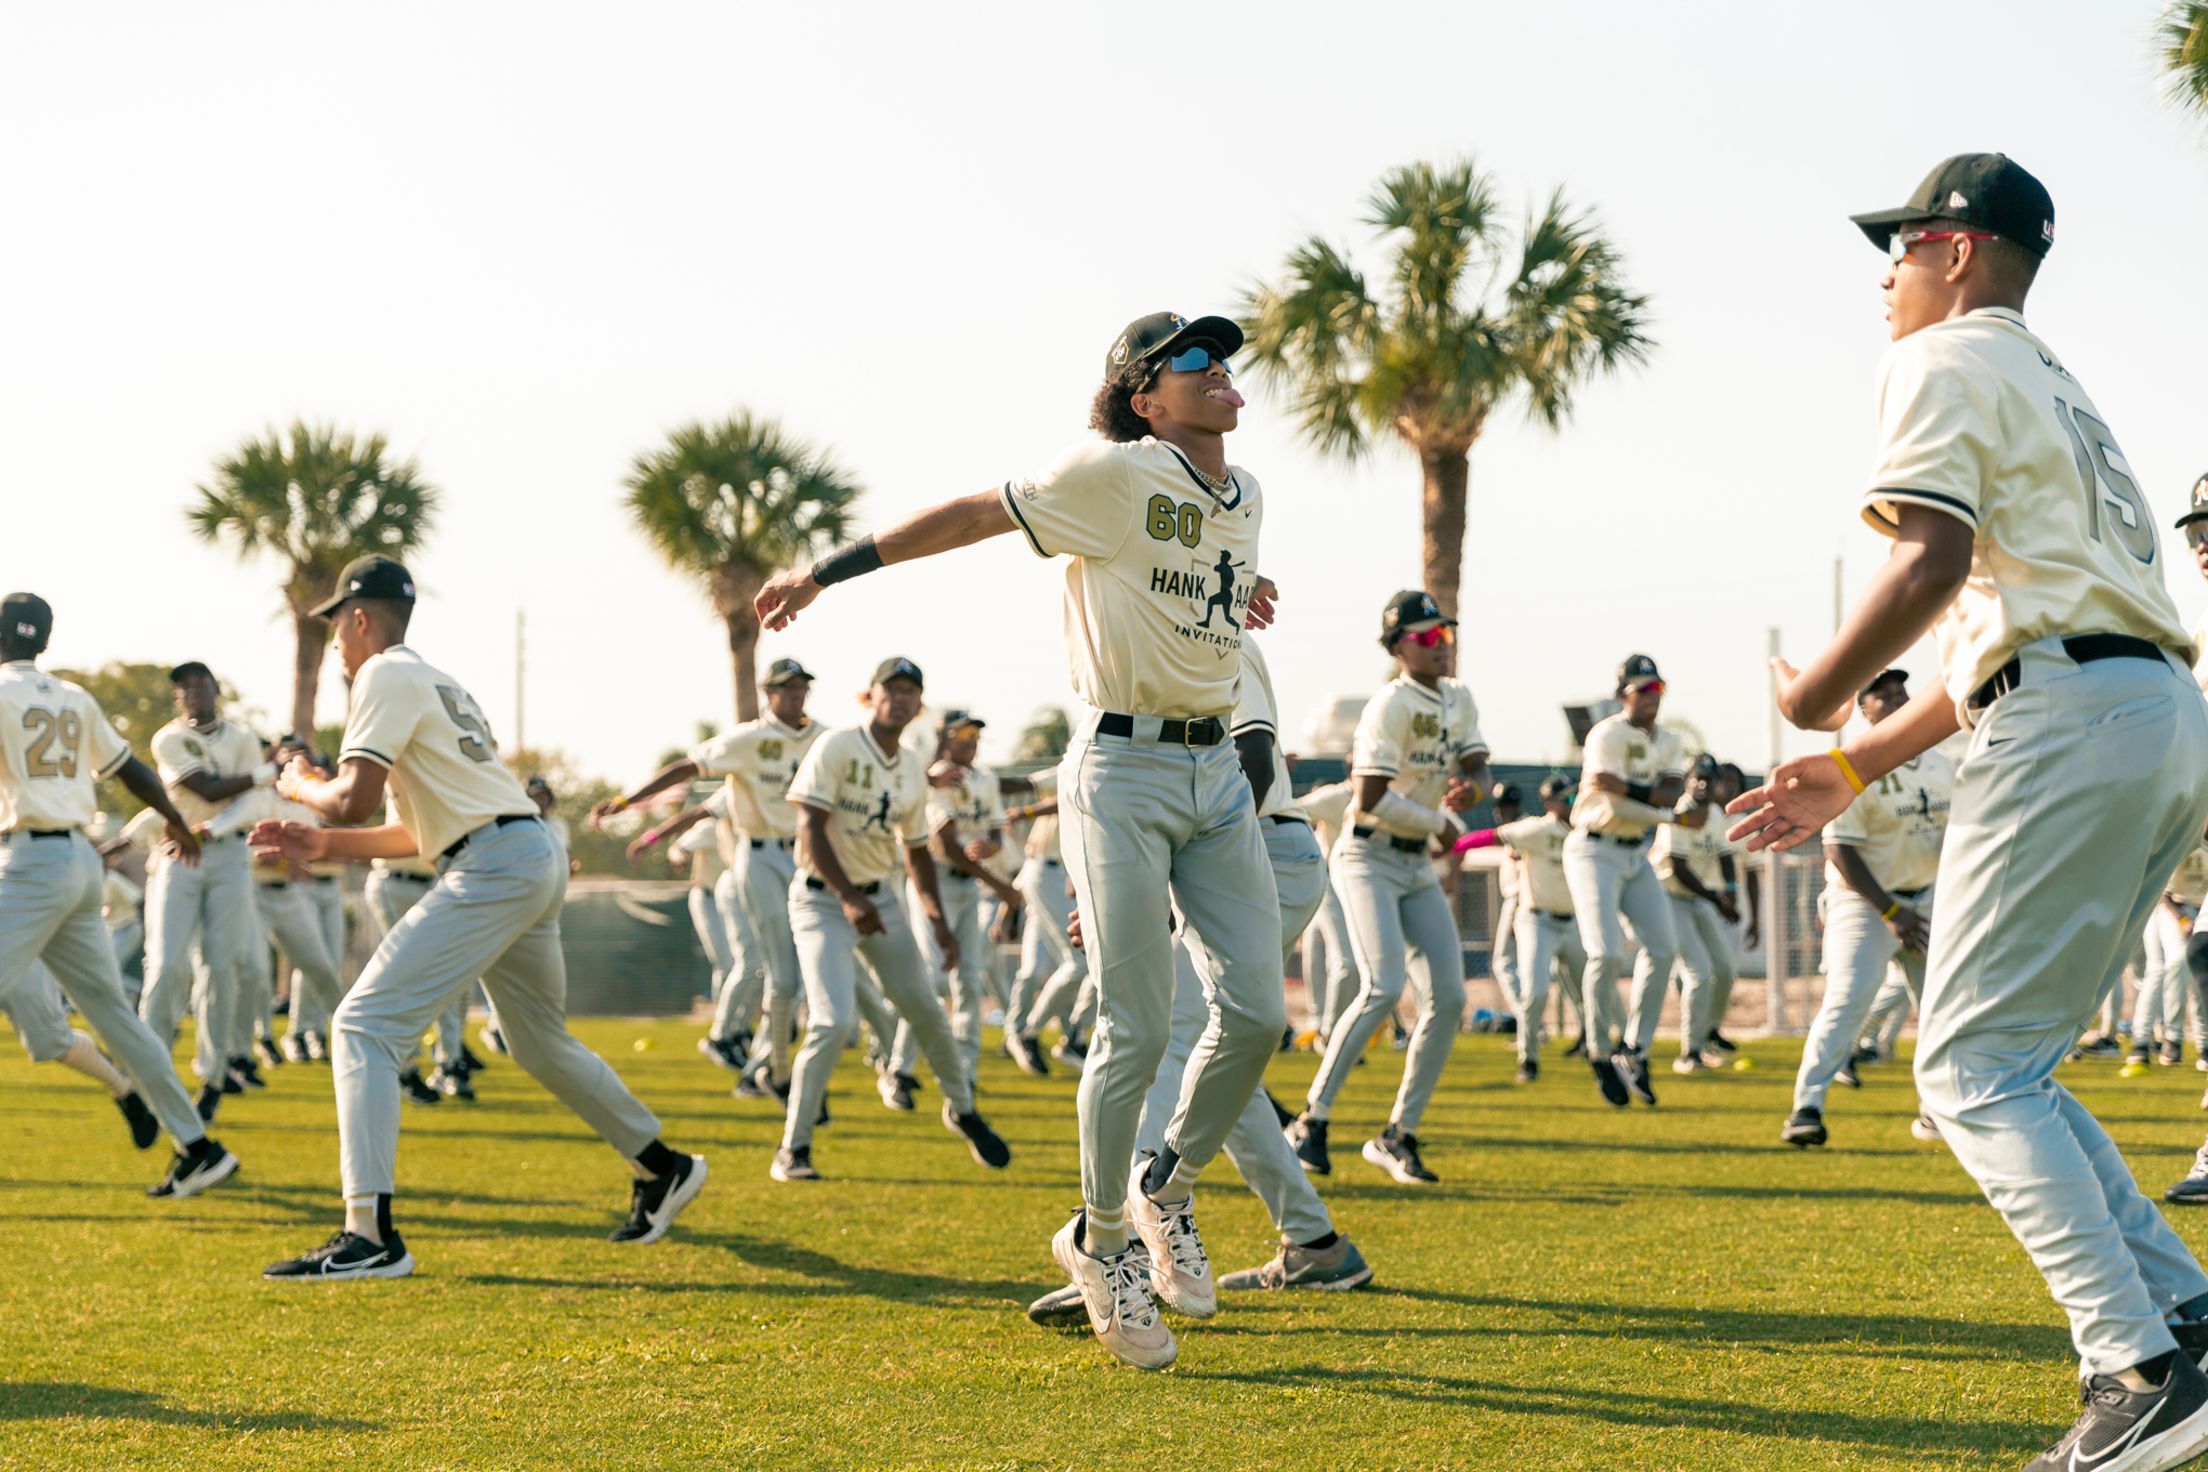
<point>525,241</point>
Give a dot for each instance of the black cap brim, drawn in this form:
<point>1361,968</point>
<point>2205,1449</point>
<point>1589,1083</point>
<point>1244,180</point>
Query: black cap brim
<point>1218,331</point>
<point>2200,514</point>
<point>1878,226</point>
<point>328,605</point>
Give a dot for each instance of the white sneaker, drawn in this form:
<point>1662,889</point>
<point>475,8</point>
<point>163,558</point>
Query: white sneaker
<point>1180,1274</point>
<point>1116,1292</point>
<point>1924,1129</point>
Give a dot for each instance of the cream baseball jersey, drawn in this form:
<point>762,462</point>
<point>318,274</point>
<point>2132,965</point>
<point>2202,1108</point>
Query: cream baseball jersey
<point>1042,834</point>
<point>180,749</point>
<point>416,721</point>
<point>2200,653</point>
<point>1978,419</point>
<point>1539,843</point>
<point>1327,807</point>
<point>1414,737</point>
<point>1256,710</point>
<point>54,743</point>
<point>759,758</point>
<point>1697,850</point>
<point>1626,752</point>
<point>2189,884</point>
<point>876,801</point>
<point>1898,823</point>
<point>976,804</point>
<point>1162,567</point>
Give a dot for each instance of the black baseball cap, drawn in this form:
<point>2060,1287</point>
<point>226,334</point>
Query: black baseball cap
<point>373,576</point>
<point>1705,765</point>
<point>1883,677</point>
<point>1637,668</point>
<point>1406,611</point>
<point>782,671</point>
<point>2195,510</point>
<point>897,667</point>
<point>187,669</point>
<point>1558,786</point>
<point>28,617</point>
<point>1986,191</point>
<point>953,719</point>
<point>1159,333</point>
<point>1505,792</point>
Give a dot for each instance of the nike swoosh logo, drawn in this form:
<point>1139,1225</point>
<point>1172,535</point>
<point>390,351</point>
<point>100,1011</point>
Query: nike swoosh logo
<point>2118,1448</point>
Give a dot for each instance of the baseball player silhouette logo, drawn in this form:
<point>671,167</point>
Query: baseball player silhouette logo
<point>1222,601</point>
<point>880,817</point>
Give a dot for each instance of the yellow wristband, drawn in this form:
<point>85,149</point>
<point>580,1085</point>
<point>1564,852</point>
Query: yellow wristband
<point>1847,768</point>
<point>1891,910</point>
<point>621,804</point>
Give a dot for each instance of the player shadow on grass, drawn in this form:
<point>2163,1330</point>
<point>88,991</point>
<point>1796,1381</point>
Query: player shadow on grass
<point>1910,1433</point>
<point>53,1400</point>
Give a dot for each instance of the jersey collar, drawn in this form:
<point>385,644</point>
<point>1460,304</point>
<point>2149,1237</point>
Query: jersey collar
<point>1213,496</point>
<point>2005,314</point>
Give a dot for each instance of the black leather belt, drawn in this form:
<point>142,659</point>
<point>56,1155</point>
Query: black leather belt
<point>1202,731</point>
<point>14,833</point>
<point>1564,915</point>
<point>1400,845</point>
<point>872,888</point>
<point>1907,894</point>
<point>759,843</point>
<point>506,821</point>
<point>1613,838</point>
<point>947,872</point>
<point>275,884</point>
<point>1284,818</point>
<point>2082,649</point>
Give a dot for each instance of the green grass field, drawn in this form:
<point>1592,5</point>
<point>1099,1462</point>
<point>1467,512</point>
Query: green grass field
<point>1588,1288</point>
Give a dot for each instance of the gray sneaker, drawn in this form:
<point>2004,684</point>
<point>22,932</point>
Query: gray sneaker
<point>2125,1430</point>
<point>2193,1190</point>
<point>1332,1269</point>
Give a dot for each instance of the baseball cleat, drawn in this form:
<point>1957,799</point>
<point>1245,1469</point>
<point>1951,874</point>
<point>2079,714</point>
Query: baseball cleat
<point>1333,1269</point>
<point>265,1048</point>
<point>1061,1308</point>
<point>1529,1069</point>
<point>1116,1292</point>
<point>2193,1190</point>
<point>1924,1129</point>
<point>210,1099</point>
<point>987,1145</point>
<point>1846,1074</point>
<point>1307,1137</point>
<point>896,1091</point>
<point>1397,1154</point>
<point>722,1053</point>
<point>144,1128</point>
<point>654,1204</point>
<point>469,1062</point>
<point>1722,1043</point>
<point>2125,1430</point>
<point>1027,1054</point>
<point>1803,1128</point>
<point>197,1167</point>
<point>347,1256</point>
<point>1633,1073</point>
<point>794,1165</point>
<point>414,1090</point>
<point>246,1072</point>
<point>1180,1273</point>
<point>1610,1081</point>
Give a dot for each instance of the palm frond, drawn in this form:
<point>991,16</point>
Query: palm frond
<point>2181,46</point>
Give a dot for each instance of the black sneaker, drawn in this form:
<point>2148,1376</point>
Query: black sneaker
<point>199,1165</point>
<point>2125,1430</point>
<point>1610,1080</point>
<point>1529,1069</point>
<point>492,1039</point>
<point>721,1052</point>
<point>2192,1338</point>
<point>347,1256</point>
<point>987,1145</point>
<point>1307,1137</point>
<point>229,1083</point>
<point>2096,1046</point>
<point>318,1048</point>
<point>1073,1052</point>
<point>1634,1071</point>
<point>896,1091</point>
<point>268,1052</point>
<point>2193,1190</point>
<point>295,1048</point>
<point>1578,1049</point>
<point>453,1083</point>
<point>794,1165</point>
<point>1283,1116</point>
<point>209,1100</point>
<point>1847,1075</point>
<point>144,1128</point>
<point>469,1062</point>
<point>653,1203</point>
<point>2172,1054</point>
<point>749,1087</point>
<point>1803,1128</point>
<point>739,1043</point>
<point>1397,1154</point>
<point>247,1073</point>
<point>414,1091</point>
<point>1722,1043</point>
<point>1027,1054</point>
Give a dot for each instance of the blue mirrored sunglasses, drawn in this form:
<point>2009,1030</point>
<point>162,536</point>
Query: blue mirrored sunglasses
<point>1190,360</point>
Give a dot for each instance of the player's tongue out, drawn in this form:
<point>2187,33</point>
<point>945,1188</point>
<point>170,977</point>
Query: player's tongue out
<point>1225,394</point>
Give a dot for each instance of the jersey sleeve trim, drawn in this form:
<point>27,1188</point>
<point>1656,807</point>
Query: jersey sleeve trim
<point>1877,507</point>
<point>1011,501</point>
<point>1255,723</point>
<point>369,753</point>
<point>122,759</point>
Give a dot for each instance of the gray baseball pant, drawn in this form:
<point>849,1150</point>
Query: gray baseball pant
<point>1502,951</point>
<point>1341,981</point>
<point>962,989</point>
<point>50,892</point>
<point>705,919</point>
<point>1395,906</point>
<point>1897,997</point>
<point>1705,958</point>
<point>388,895</point>
<point>288,917</point>
<point>1145,826</point>
<point>1613,887</point>
<point>2168,1004</point>
<point>1048,960</point>
<point>1859,948</point>
<point>761,898</point>
<point>829,952</point>
<point>310,1012</point>
<point>1547,944</point>
<point>211,901</point>
<point>40,1017</point>
<point>2045,885</point>
<point>494,912</point>
<point>744,993</point>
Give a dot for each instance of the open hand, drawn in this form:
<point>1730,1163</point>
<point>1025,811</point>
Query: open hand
<point>1796,800</point>
<point>293,843</point>
<point>1259,611</point>
<point>183,844</point>
<point>784,595</point>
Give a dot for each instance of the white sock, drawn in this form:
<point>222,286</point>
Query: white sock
<point>360,1219</point>
<point>84,1056</point>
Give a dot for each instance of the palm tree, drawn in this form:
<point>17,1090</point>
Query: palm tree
<point>1459,326</point>
<point>313,498</point>
<point>732,504</point>
<point>2181,44</point>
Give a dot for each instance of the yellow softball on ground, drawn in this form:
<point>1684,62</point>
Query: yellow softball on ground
<point>642,1045</point>
<point>1744,1065</point>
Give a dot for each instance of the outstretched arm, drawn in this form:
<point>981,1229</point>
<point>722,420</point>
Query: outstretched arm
<point>681,770</point>
<point>939,529</point>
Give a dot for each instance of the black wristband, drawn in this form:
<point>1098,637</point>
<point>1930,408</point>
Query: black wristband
<point>856,560</point>
<point>1640,792</point>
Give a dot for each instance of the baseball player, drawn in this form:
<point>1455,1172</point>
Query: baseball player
<point>1162,537</point>
<point>493,912</point>
<point>282,914</point>
<point>1502,955</point>
<point>41,1021</point>
<point>325,897</point>
<point>1694,861</point>
<point>759,758</point>
<point>1881,857</point>
<point>705,849</point>
<point>55,742</point>
<point>2168,1001</point>
<point>1328,809</point>
<point>1417,760</point>
<point>1546,935</point>
<point>205,761</point>
<point>1049,961</point>
<point>2017,528</point>
<point>1632,772</point>
<point>1739,876</point>
<point>861,799</point>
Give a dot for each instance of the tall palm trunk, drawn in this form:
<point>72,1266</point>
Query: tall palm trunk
<point>1447,471</point>
<point>734,586</point>
<point>311,641</point>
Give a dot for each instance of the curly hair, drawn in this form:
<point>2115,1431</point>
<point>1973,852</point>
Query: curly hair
<point>1112,412</point>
